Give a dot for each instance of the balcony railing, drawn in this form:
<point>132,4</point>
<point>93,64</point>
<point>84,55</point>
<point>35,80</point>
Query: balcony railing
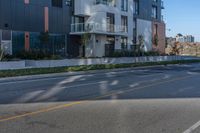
<point>105,2</point>
<point>97,28</point>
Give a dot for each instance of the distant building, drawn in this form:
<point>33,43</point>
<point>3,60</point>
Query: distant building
<point>187,38</point>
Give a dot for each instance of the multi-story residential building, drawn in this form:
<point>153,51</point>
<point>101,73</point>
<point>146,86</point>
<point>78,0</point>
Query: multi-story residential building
<point>115,25</point>
<point>109,23</point>
<point>91,28</point>
<point>22,21</point>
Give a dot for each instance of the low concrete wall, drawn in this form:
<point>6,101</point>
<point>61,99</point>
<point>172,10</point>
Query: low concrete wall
<point>78,62</point>
<point>12,65</point>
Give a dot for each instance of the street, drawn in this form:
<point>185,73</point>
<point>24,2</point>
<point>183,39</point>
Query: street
<point>160,99</point>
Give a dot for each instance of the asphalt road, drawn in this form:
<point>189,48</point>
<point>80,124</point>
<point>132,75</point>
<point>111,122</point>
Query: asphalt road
<point>164,99</point>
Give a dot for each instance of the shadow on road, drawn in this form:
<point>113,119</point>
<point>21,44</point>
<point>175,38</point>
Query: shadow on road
<point>150,83</point>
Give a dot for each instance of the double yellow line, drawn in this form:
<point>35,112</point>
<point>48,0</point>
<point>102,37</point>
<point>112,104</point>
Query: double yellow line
<point>84,101</point>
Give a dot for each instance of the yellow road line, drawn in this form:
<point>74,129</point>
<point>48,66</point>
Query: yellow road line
<point>41,111</point>
<point>84,101</point>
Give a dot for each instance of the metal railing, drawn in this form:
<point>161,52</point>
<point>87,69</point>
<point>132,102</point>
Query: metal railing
<point>97,27</point>
<point>105,2</point>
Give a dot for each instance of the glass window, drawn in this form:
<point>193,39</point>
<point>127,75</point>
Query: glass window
<point>136,7</point>
<point>124,5</point>
<point>154,12</point>
<point>18,40</point>
<point>124,23</point>
<point>57,3</point>
<point>110,22</point>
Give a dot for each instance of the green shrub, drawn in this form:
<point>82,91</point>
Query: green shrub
<point>134,54</point>
<point>36,55</point>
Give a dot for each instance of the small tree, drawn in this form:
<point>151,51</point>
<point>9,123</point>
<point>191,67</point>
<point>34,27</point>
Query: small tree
<point>1,54</point>
<point>85,38</point>
<point>155,41</point>
<point>44,38</point>
<point>175,49</point>
<point>141,44</point>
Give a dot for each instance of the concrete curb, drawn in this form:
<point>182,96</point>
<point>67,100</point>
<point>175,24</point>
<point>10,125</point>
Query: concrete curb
<point>65,74</point>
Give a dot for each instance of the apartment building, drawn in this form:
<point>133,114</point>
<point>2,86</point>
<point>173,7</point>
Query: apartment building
<point>114,25</point>
<point>22,22</point>
<point>90,28</point>
<point>108,22</point>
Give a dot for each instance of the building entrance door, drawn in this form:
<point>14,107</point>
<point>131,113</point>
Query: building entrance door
<point>110,46</point>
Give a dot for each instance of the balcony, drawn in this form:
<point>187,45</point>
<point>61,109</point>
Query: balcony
<point>97,28</point>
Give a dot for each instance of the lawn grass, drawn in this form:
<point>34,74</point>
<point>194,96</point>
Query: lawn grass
<point>36,71</point>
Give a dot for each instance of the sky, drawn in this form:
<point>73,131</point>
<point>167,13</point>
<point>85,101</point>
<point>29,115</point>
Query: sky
<point>182,16</point>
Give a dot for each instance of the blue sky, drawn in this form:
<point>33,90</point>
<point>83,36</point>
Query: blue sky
<point>182,16</point>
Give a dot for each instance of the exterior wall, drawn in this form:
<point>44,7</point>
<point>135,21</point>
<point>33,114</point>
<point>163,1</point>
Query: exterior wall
<point>30,17</point>
<point>34,16</point>
<point>144,28</point>
<point>145,10</point>
<point>161,36</point>
<point>96,46</point>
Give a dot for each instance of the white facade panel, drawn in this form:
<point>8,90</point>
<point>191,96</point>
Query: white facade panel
<point>144,28</point>
<point>83,7</point>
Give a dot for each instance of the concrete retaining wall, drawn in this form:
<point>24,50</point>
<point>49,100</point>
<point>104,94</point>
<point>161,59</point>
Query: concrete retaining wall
<point>78,62</point>
<point>12,65</point>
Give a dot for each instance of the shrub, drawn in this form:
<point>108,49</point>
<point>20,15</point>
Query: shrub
<point>36,55</point>
<point>134,54</point>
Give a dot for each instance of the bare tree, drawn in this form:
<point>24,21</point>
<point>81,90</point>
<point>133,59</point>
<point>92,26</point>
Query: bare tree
<point>176,48</point>
<point>1,53</point>
<point>85,38</point>
<point>155,41</point>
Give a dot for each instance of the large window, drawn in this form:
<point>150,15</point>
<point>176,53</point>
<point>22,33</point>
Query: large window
<point>154,12</point>
<point>18,40</point>
<point>124,23</point>
<point>124,5</point>
<point>136,7</point>
<point>110,22</point>
<point>57,3</point>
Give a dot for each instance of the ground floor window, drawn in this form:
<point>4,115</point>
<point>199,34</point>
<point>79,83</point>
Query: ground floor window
<point>18,41</point>
<point>56,44</point>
